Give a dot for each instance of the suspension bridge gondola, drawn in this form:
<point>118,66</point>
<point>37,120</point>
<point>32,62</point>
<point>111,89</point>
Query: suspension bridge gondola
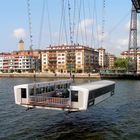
<point>61,95</point>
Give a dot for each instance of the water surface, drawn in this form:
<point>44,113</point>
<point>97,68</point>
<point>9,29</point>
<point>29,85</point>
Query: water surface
<point>117,118</point>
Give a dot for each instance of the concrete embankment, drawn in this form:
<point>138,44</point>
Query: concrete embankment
<point>73,75</point>
<point>50,75</point>
<point>129,76</point>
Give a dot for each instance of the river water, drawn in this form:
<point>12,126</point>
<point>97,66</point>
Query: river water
<point>117,118</point>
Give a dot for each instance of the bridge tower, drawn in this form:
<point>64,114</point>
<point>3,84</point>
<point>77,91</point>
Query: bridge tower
<point>132,47</point>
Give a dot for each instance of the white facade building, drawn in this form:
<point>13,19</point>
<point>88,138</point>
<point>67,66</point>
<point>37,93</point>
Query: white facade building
<point>15,63</point>
<point>102,59</point>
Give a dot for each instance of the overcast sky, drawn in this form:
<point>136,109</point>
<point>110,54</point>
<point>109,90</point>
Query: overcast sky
<point>15,25</point>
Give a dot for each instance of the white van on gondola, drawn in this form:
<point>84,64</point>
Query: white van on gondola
<point>61,95</point>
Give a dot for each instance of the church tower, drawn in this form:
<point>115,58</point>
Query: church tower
<point>21,45</point>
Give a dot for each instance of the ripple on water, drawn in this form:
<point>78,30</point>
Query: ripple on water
<point>115,119</point>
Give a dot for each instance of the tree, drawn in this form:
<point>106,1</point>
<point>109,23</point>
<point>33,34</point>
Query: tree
<point>121,63</point>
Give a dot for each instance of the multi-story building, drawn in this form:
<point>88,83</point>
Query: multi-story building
<point>61,61</point>
<point>110,59</point>
<point>29,59</point>
<point>4,62</point>
<point>69,58</point>
<point>102,57</point>
<point>21,61</point>
<point>106,60</point>
<point>131,54</point>
<point>44,61</point>
<point>16,63</point>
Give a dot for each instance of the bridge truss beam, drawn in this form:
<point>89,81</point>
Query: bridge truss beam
<point>136,4</point>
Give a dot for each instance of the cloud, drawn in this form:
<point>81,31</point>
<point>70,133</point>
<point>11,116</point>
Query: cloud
<point>83,30</point>
<point>123,42</point>
<point>116,46</point>
<point>84,25</point>
<point>19,33</point>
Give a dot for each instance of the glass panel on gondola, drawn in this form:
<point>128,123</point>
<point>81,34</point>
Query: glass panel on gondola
<point>74,96</point>
<point>23,93</point>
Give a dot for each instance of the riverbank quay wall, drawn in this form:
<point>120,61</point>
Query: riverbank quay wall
<point>50,75</point>
<point>72,76</point>
<point>120,76</point>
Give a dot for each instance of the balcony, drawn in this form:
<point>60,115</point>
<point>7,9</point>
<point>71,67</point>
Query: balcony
<point>52,60</point>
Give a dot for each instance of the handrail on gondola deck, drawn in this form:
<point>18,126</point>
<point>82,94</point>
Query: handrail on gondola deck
<point>48,101</point>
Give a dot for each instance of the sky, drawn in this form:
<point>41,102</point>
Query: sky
<point>86,24</point>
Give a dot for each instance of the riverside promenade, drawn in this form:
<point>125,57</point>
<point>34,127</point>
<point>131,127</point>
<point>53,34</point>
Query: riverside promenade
<point>50,75</point>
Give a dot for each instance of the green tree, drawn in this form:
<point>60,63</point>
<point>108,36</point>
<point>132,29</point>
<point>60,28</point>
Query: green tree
<point>121,63</point>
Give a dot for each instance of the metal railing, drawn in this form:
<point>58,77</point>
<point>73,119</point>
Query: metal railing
<point>49,101</point>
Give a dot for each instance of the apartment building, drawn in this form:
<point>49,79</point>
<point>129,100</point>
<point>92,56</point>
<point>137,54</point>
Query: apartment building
<point>44,61</point>
<point>69,58</point>
<point>20,61</point>
<point>110,60</point>
<point>4,62</point>
<point>15,63</point>
<point>131,54</point>
<point>106,60</point>
<point>102,57</point>
<point>29,59</point>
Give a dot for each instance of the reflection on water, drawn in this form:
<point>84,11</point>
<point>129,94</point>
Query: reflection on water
<point>116,118</point>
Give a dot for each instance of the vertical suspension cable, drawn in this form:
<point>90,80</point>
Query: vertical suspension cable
<point>30,24</point>
<point>70,24</point>
<point>103,23</point>
<point>41,25</point>
<point>79,25</point>
<point>63,23</point>
<point>31,42</point>
<point>65,26</point>
<point>49,22</point>
<point>96,22</point>
<point>73,24</point>
<point>77,28</point>
<point>85,31</point>
<point>92,41</point>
